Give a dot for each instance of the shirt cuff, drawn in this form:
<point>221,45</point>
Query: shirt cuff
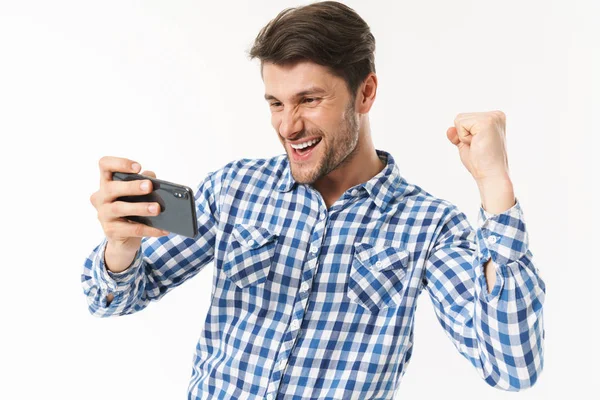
<point>115,282</point>
<point>503,238</point>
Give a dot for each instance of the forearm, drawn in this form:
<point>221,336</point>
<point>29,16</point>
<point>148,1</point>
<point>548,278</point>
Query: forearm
<point>497,195</point>
<point>118,258</point>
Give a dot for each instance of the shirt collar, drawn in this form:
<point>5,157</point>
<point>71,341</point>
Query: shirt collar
<point>381,188</point>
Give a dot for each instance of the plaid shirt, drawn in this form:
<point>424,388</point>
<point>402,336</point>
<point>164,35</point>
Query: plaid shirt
<point>311,302</point>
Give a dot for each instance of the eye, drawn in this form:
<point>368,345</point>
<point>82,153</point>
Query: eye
<point>310,100</point>
<point>275,104</point>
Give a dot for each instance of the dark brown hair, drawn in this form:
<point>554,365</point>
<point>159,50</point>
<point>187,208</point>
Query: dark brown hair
<point>328,33</point>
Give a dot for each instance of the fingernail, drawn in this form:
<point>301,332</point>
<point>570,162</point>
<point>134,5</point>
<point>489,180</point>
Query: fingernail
<point>145,185</point>
<point>152,208</point>
<point>135,167</point>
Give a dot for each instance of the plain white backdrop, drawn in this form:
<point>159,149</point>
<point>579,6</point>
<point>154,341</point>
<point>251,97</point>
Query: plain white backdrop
<point>169,85</point>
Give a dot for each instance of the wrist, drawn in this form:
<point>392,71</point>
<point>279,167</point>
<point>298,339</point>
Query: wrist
<point>496,193</point>
<point>119,258</point>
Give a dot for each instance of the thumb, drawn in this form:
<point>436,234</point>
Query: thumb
<point>149,173</point>
<point>452,136</point>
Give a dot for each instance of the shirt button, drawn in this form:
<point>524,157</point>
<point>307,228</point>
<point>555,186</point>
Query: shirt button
<point>322,216</point>
<point>314,249</point>
<point>250,242</point>
<point>354,192</point>
<point>270,396</point>
<point>304,286</point>
<point>295,324</point>
<point>492,239</point>
<point>378,264</point>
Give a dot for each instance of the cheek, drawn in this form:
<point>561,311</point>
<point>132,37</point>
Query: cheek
<point>319,121</point>
<point>317,116</point>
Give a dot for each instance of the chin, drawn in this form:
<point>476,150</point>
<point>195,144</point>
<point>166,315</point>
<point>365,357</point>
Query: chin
<point>306,174</point>
<point>302,176</point>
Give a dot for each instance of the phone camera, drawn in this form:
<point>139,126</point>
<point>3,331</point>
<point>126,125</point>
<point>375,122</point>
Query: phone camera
<point>180,195</point>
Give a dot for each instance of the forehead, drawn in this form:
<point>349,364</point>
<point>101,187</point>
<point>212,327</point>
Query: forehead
<point>288,80</point>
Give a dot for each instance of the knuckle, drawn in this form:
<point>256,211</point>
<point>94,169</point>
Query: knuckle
<point>102,162</point>
<point>111,191</point>
<point>139,230</point>
<point>114,207</point>
<point>108,189</point>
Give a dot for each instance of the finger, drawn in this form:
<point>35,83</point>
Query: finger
<point>149,173</point>
<point>126,228</point>
<point>120,209</point>
<point>463,132</point>
<point>94,198</point>
<point>452,136</point>
<point>114,189</point>
<point>109,164</point>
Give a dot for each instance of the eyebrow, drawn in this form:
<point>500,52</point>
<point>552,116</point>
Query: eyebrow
<point>310,90</point>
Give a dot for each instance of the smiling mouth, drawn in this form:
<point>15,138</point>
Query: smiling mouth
<point>307,149</point>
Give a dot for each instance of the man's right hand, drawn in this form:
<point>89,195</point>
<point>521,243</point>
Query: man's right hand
<point>124,236</point>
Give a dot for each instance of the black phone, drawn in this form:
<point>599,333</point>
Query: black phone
<point>177,205</point>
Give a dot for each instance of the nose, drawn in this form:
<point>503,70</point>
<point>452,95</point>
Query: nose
<point>290,123</point>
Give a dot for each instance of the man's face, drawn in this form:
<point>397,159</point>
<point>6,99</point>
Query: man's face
<point>310,104</point>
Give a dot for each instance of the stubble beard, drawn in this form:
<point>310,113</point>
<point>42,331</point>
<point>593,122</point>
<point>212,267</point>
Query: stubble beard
<point>338,152</point>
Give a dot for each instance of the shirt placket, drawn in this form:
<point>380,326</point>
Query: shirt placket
<point>300,303</point>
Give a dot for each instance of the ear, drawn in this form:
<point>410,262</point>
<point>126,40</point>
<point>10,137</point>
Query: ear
<point>366,94</point>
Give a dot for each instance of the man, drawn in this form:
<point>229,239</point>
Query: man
<point>320,253</point>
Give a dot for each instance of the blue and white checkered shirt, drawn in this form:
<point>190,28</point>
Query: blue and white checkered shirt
<point>311,302</point>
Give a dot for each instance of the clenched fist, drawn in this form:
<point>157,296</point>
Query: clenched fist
<point>481,141</point>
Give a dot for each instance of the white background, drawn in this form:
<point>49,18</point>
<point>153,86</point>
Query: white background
<point>169,84</point>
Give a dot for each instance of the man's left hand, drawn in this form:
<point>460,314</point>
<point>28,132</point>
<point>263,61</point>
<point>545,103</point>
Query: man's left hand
<point>481,141</point>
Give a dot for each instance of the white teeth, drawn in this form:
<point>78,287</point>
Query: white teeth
<point>305,144</point>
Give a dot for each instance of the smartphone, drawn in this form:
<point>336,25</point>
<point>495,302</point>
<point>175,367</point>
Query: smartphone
<point>177,205</point>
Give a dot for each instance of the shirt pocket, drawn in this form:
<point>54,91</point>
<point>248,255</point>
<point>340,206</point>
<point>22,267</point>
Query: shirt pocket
<point>377,277</point>
<point>249,255</point>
